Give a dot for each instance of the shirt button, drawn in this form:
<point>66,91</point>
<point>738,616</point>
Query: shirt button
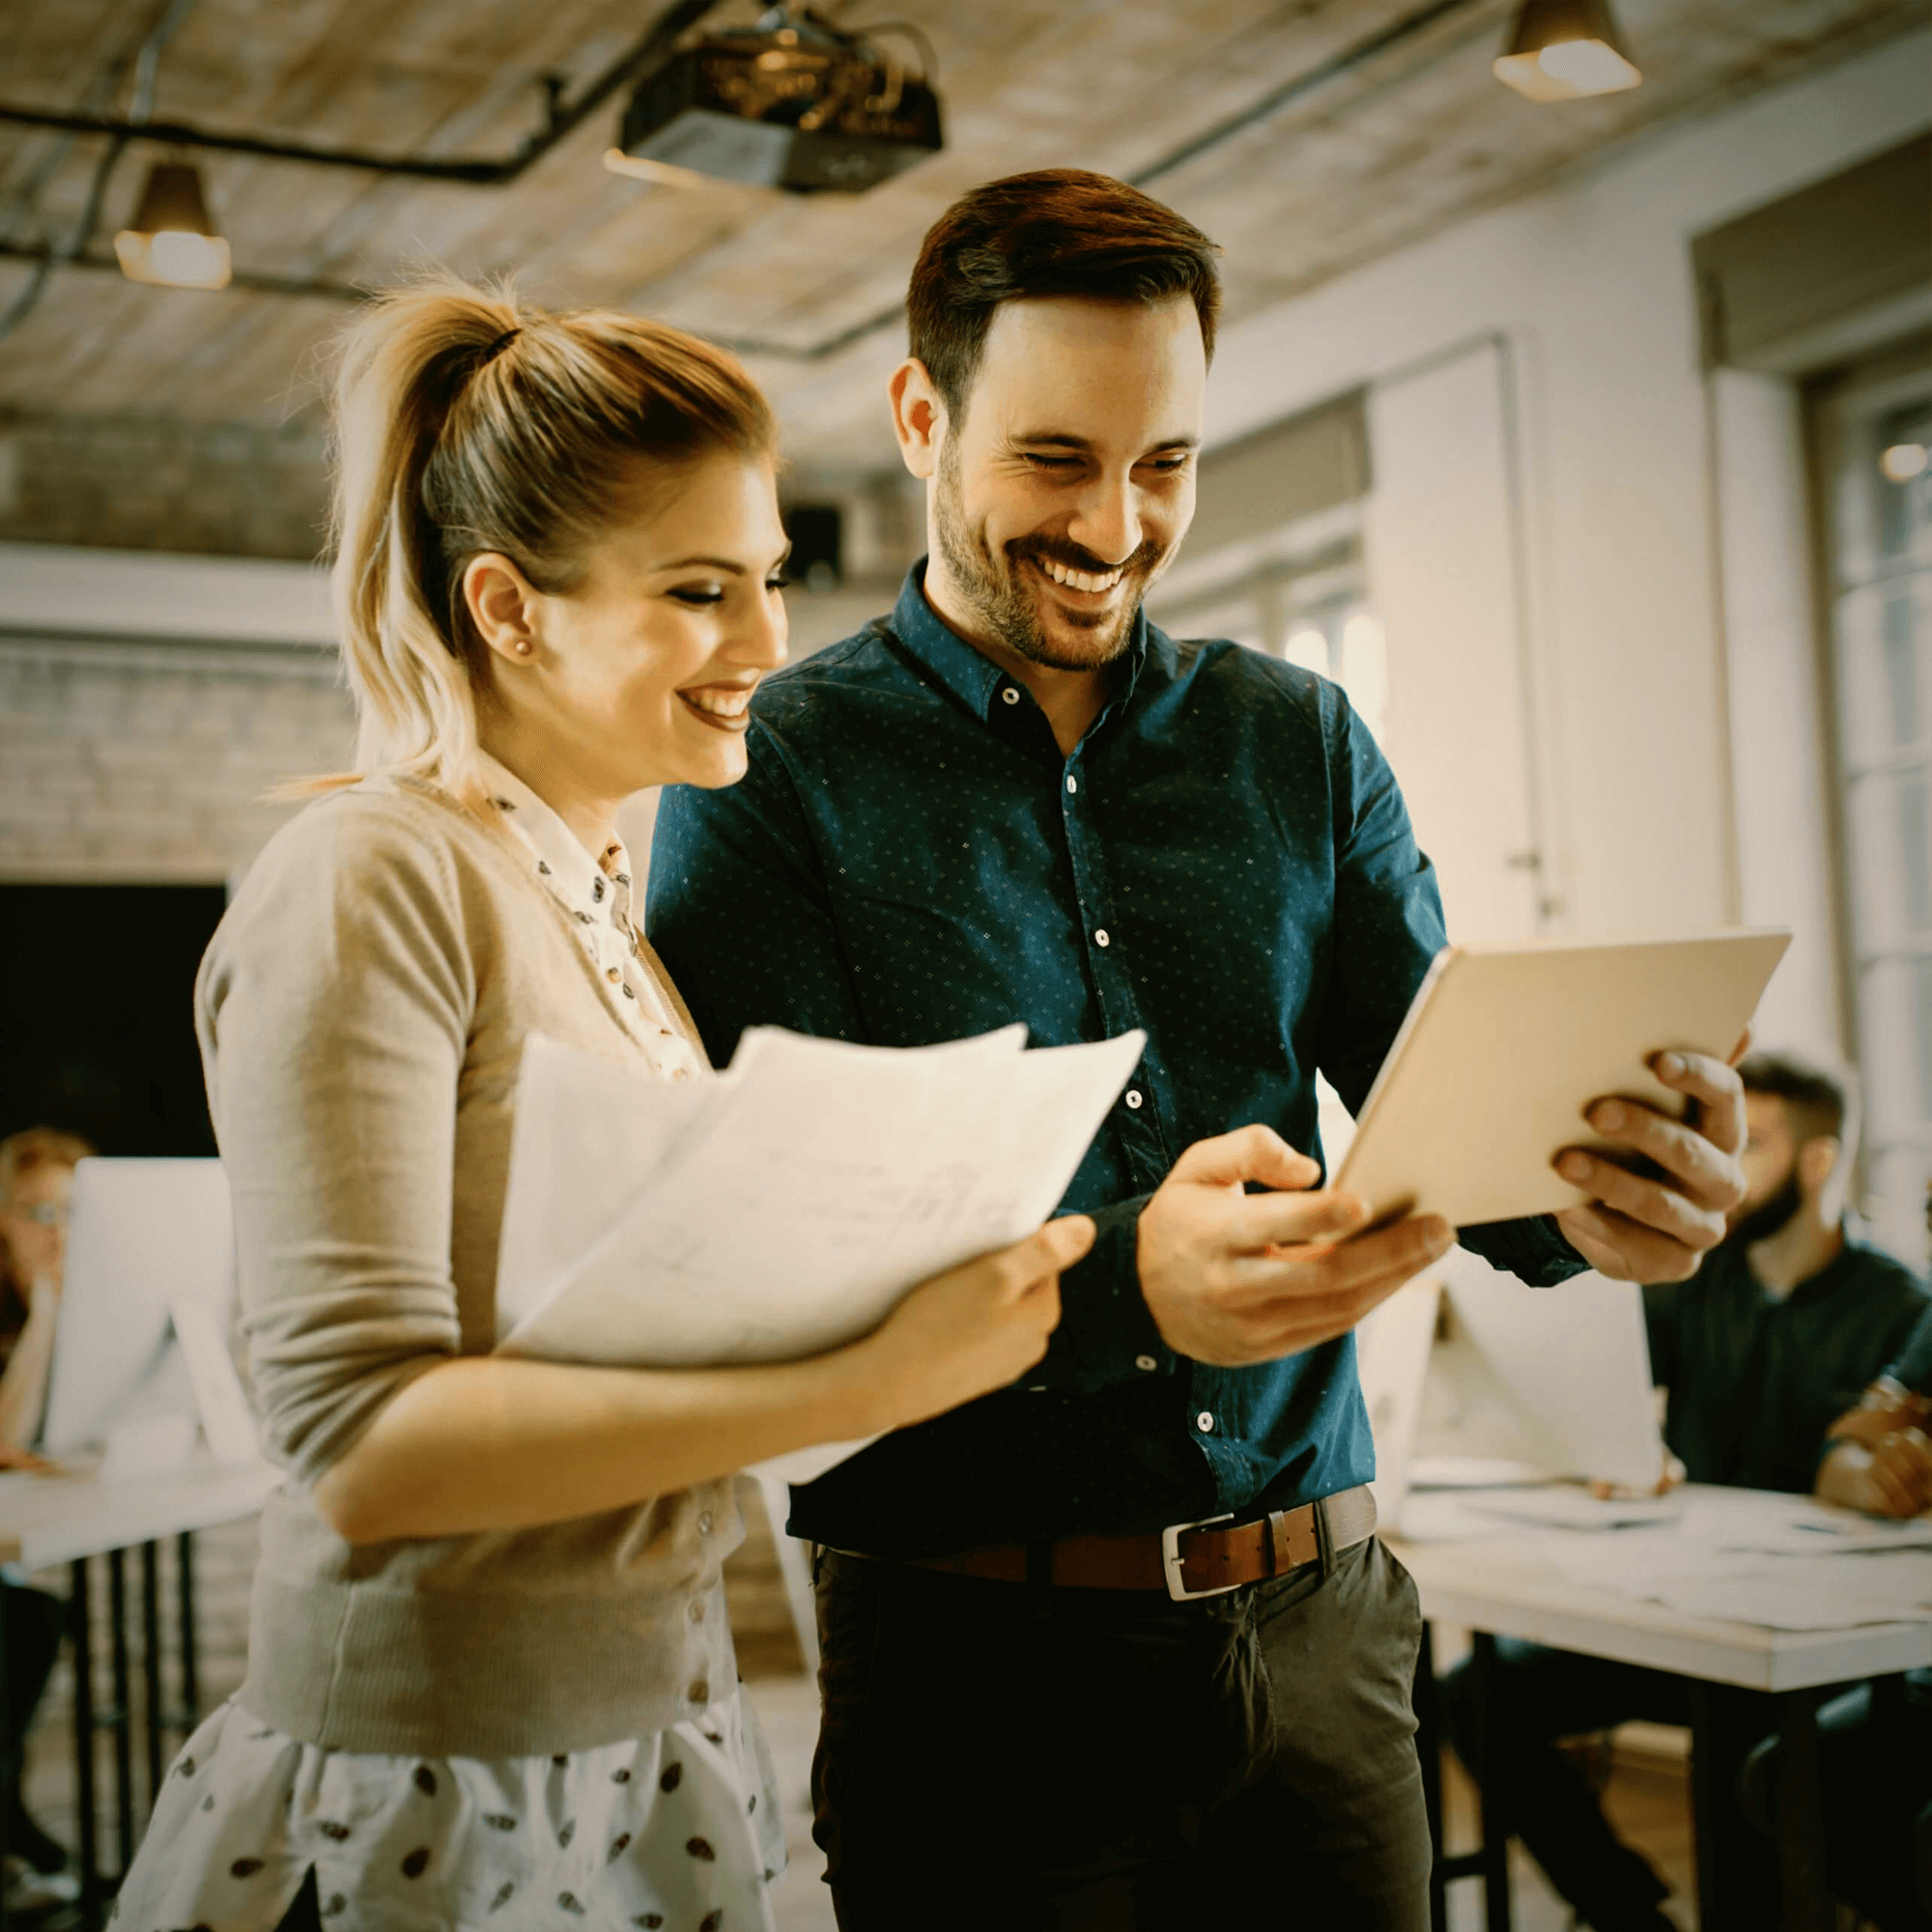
<point>1072,784</point>
<point>704,1523</point>
<point>614,977</point>
<point>698,1690</point>
<point>1146,1362</point>
<point>1101,937</point>
<point>697,1611</point>
<point>1010,696</point>
<point>1132,1096</point>
<point>1204,1422</point>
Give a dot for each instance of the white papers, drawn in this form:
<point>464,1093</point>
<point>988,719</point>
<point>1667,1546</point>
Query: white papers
<point>1779,1562</point>
<point>782,1208</point>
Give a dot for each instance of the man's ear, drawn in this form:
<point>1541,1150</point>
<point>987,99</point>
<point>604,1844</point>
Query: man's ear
<point>502,604</point>
<point>919,416</point>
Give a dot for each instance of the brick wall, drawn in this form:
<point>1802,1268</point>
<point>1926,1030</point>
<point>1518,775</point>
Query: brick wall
<point>149,761</point>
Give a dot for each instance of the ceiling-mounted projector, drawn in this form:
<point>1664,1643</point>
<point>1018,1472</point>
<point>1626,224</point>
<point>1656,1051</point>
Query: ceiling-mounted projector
<point>791,102</point>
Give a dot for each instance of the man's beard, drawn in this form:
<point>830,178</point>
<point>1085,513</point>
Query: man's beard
<point>1771,1216</point>
<point>999,599</point>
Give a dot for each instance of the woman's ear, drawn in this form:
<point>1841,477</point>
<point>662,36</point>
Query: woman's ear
<point>502,604</point>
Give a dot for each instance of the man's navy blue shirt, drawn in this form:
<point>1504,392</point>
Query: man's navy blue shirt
<point>1224,861</point>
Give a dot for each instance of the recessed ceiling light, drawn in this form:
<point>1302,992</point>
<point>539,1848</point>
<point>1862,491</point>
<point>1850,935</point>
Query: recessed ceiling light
<point>1904,461</point>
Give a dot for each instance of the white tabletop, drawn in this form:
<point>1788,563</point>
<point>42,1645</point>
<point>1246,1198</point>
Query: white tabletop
<point>54,1518</point>
<point>1509,1584</point>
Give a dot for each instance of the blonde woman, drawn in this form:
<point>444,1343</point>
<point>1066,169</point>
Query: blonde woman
<point>490,1678</point>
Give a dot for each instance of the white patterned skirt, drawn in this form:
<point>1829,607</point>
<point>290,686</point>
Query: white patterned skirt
<point>680,1830</point>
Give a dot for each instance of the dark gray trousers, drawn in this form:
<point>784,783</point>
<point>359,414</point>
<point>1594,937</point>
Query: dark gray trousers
<point>994,1756</point>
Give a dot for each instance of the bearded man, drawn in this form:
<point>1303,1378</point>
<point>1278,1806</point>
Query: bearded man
<point>1118,1646</point>
<point>1775,1339</point>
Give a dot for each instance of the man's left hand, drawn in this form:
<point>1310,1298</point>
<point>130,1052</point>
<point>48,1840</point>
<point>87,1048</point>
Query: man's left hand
<point>1637,1227</point>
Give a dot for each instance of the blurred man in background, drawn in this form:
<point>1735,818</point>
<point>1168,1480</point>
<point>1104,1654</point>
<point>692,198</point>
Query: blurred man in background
<point>1771,1340</point>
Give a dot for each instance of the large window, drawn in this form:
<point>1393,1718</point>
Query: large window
<point>1301,595</point>
<point>1876,445</point>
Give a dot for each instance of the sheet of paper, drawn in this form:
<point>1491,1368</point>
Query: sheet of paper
<point>787,1206</point>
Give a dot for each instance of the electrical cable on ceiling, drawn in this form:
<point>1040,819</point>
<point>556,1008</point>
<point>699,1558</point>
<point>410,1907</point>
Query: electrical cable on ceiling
<point>147,69</point>
<point>674,22</point>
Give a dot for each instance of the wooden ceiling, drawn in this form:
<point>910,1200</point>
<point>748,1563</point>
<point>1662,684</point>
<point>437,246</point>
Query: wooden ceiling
<point>1378,147</point>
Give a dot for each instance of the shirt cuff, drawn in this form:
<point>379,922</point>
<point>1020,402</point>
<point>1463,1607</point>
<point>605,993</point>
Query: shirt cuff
<point>1532,1250</point>
<point>1106,1333</point>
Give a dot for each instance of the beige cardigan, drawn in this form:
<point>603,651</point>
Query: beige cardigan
<point>362,1011</point>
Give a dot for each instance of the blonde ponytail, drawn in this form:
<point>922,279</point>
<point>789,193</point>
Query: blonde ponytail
<point>464,423</point>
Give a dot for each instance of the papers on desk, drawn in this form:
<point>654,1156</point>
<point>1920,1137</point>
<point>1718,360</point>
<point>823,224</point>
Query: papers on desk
<point>1780,1562</point>
<point>781,1208</point>
<point>1738,1556</point>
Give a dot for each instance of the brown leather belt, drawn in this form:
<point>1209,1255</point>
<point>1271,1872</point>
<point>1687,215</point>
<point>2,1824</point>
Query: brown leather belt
<point>1187,1560</point>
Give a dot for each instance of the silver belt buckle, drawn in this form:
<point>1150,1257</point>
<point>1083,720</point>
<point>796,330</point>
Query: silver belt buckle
<point>1170,1560</point>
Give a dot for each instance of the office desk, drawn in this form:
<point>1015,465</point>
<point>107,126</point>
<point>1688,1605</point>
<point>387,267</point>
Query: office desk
<point>1508,1585</point>
<point>72,1517</point>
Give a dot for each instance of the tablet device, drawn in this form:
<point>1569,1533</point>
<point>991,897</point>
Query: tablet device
<point>1505,1046</point>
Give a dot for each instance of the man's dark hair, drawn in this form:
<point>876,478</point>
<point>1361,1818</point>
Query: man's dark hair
<point>1821,1102</point>
<point>1058,232</point>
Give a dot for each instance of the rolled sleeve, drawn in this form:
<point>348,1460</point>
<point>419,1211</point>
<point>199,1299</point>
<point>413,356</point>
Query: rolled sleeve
<point>333,1014</point>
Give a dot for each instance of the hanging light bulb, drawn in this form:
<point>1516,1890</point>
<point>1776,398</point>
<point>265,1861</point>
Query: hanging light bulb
<point>1564,49</point>
<point>172,240</point>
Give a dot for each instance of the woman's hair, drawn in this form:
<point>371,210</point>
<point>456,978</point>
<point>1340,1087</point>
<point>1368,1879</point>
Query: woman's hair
<point>19,1155</point>
<point>464,422</point>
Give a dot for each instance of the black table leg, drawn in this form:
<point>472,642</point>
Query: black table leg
<point>1798,1808</point>
<point>1429,1749</point>
<point>152,1666</point>
<point>190,1673</point>
<point>80,1608</point>
<point>17,1751</point>
<point>123,1722</point>
<point>1493,1856</point>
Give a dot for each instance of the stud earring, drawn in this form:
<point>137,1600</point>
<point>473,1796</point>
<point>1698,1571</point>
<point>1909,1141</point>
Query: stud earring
<point>523,647</point>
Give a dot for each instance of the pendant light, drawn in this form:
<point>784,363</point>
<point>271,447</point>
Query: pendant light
<point>172,240</point>
<point>1565,49</point>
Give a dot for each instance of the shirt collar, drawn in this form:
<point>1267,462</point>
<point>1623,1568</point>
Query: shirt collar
<point>591,888</point>
<point>968,673</point>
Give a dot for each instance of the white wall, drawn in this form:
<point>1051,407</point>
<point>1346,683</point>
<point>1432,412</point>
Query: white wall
<point>1590,283</point>
<point>1779,756</point>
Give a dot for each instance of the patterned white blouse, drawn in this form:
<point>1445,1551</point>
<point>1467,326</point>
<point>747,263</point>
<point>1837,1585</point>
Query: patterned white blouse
<point>597,894</point>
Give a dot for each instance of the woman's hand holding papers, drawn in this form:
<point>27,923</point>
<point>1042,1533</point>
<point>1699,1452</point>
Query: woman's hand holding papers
<point>491,1442</point>
<point>1657,1227</point>
<point>975,1328</point>
<point>1232,1277</point>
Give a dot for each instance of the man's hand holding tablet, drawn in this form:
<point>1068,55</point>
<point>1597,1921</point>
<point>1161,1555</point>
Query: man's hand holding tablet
<point>1462,1128</point>
<point>1232,1277</point>
<point>1636,1228</point>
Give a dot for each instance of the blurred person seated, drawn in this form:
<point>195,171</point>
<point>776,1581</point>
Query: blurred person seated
<point>36,1179</point>
<point>1874,1743</point>
<point>1770,1342</point>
